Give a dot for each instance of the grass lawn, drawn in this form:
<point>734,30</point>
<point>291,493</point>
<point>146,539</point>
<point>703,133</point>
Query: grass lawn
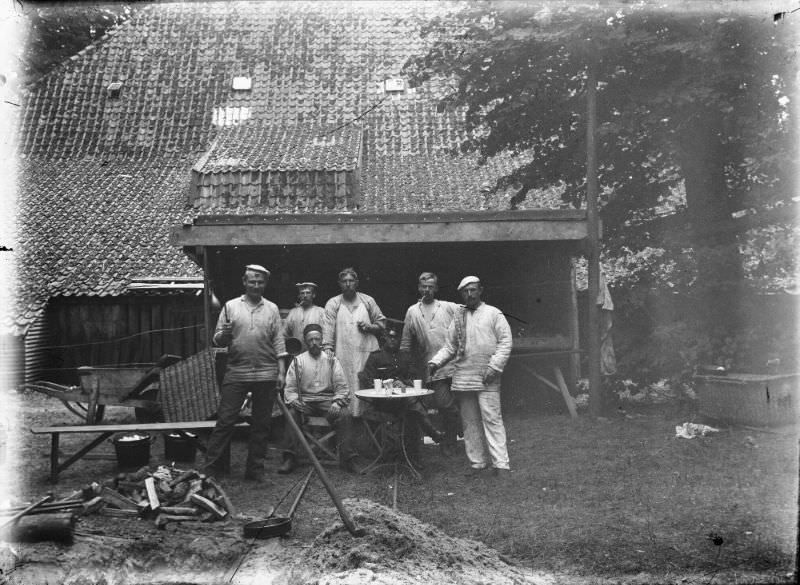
<point>616,496</point>
<point>603,498</point>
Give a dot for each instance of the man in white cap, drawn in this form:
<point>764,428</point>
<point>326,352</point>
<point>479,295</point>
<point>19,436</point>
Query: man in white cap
<point>304,313</point>
<point>424,333</point>
<point>250,327</point>
<point>479,344</point>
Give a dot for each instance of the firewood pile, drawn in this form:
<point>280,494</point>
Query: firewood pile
<point>164,495</point>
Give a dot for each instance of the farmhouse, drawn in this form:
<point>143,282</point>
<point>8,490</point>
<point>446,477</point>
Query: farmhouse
<point>201,136</point>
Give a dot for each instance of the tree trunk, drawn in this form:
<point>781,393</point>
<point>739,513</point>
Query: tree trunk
<point>712,235</point>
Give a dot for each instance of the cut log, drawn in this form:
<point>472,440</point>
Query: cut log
<point>116,513</point>
<point>226,502</point>
<point>54,527</point>
<point>185,476</point>
<point>92,506</point>
<point>152,495</point>
<point>140,474</point>
<point>195,486</point>
<point>129,486</point>
<point>117,500</point>
<point>59,506</point>
<point>209,506</point>
<point>180,510</point>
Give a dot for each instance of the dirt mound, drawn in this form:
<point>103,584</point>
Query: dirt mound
<point>400,549</point>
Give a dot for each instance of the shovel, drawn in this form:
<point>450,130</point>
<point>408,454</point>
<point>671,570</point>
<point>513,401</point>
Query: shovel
<point>272,525</point>
<point>323,477</point>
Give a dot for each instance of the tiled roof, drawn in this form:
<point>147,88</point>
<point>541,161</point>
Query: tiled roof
<point>91,228</point>
<point>103,178</point>
<point>271,147</point>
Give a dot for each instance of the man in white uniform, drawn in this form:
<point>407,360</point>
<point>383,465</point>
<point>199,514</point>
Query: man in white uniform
<point>479,344</point>
<point>353,323</point>
<point>424,333</point>
<point>304,313</point>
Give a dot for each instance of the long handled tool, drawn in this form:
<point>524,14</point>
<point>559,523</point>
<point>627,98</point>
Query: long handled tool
<point>21,513</point>
<point>348,522</point>
<point>276,525</point>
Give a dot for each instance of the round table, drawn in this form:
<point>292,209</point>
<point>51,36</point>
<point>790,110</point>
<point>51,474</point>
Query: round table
<point>390,441</point>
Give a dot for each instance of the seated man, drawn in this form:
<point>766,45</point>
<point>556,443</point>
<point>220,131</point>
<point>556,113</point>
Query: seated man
<point>391,363</point>
<point>316,386</point>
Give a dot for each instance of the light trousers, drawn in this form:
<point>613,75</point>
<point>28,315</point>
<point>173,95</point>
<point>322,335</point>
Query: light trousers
<point>483,428</point>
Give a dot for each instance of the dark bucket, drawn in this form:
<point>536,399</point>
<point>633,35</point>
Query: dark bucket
<point>179,448</point>
<point>133,451</point>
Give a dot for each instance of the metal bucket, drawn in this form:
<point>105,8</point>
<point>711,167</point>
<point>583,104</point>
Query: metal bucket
<point>133,451</point>
<point>178,447</point>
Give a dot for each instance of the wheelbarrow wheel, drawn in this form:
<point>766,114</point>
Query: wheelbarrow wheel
<point>99,412</point>
<point>149,415</point>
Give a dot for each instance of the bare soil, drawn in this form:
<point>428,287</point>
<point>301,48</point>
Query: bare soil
<point>617,500</point>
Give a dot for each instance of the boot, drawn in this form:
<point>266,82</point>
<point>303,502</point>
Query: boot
<point>430,430</point>
<point>452,425</point>
<point>288,465</point>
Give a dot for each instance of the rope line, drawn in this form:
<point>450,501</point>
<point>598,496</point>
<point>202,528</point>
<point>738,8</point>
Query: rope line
<point>118,339</point>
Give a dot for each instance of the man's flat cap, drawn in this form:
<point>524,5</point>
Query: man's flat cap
<point>311,327</point>
<point>468,280</point>
<point>257,268</point>
<point>306,285</point>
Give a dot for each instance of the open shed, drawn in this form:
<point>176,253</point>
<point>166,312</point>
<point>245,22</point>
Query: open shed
<point>524,259</point>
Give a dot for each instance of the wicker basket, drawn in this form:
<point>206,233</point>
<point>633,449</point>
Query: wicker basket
<point>189,389</point>
<point>750,399</point>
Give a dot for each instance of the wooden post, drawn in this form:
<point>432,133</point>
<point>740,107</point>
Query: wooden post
<point>574,372</point>
<point>206,298</point>
<point>595,383</point>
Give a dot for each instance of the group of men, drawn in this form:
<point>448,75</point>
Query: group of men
<point>459,351</point>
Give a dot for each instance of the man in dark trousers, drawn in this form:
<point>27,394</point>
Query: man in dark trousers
<point>250,327</point>
<point>316,386</point>
<point>391,363</point>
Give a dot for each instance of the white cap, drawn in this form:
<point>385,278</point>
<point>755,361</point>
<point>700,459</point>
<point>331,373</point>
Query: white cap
<point>306,285</point>
<point>468,280</point>
<point>257,268</point>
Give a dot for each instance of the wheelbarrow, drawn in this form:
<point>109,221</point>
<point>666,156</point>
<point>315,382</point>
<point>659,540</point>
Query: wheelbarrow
<point>133,386</point>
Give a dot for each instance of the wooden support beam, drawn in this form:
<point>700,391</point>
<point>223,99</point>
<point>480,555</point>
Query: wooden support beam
<point>562,386</point>
<point>282,234</point>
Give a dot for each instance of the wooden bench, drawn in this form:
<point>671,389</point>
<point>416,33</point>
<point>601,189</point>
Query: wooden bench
<point>104,432</point>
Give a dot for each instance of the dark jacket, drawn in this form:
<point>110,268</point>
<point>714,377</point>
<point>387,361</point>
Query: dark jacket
<point>384,365</point>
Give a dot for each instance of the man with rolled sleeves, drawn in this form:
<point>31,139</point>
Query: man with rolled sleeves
<point>316,386</point>
<point>479,345</point>
<point>250,326</point>
<point>304,313</point>
<point>424,332</point>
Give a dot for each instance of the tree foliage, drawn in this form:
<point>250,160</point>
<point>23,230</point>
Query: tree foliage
<point>56,31</point>
<point>692,98</point>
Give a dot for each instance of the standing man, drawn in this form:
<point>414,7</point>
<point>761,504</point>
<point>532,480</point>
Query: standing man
<point>353,323</point>
<point>250,326</point>
<point>316,386</point>
<point>479,343</point>
<point>304,313</point>
<point>425,330</point>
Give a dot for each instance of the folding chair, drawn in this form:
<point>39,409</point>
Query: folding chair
<point>318,432</point>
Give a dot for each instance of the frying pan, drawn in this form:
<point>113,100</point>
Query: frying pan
<point>273,526</point>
